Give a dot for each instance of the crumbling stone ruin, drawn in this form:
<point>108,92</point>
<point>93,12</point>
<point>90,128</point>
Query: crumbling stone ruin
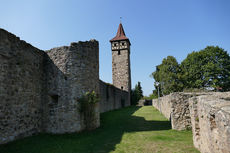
<point>207,114</point>
<point>39,90</point>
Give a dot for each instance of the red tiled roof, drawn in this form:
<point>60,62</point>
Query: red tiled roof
<point>120,34</point>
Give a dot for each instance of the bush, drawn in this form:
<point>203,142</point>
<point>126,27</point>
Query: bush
<point>151,96</point>
<point>87,105</point>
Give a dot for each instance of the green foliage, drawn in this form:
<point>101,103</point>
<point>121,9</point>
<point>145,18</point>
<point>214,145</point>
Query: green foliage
<point>136,93</point>
<point>87,108</point>
<point>134,98</point>
<point>155,93</point>
<point>151,96</point>
<point>208,68</point>
<point>168,75</point>
<point>138,88</point>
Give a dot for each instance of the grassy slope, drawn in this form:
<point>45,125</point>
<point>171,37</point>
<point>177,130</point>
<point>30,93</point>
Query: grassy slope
<point>129,130</point>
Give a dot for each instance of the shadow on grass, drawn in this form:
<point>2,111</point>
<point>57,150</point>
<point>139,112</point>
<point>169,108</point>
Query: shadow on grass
<point>104,139</point>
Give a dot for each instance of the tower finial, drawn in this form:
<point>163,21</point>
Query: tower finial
<point>120,19</point>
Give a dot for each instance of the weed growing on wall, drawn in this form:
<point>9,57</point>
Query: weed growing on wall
<point>87,104</point>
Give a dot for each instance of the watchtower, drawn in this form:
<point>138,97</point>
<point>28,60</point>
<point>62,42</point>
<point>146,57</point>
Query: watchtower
<point>120,46</point>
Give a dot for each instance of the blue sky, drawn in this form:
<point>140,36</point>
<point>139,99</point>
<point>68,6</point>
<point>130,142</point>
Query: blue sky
<point>156,28</point>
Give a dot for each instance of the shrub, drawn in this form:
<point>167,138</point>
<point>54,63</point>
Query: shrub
<point>136,94</point>
<point>87,104</point>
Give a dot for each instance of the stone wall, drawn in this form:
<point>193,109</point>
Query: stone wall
<point>208,114</point>
<point>121,69</point>
<point>112,98</point>
<point>210,117</point>
<point>163,104</point>
<point>71,72</point>
<point>39,90</point>
<point>175,107</point>
<point>21,88</point>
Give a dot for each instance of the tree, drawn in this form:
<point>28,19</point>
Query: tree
<point>136,93</point>
<point>168,75</point>
<point>138,88</point>
<point>207,68</point>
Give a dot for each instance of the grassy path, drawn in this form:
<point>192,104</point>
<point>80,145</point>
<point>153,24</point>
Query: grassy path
<point>128,130</point>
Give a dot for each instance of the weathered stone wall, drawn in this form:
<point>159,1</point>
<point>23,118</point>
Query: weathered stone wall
<point>121,69</point>
<point>163,104</point>
<point>180,116</point>
<point>210,117</point>
<point>21,88</point>
<point>75,71</point>
<point>208,114</point>
<point>112,97</point>
<point>175,107</point>
<point>39,90</point>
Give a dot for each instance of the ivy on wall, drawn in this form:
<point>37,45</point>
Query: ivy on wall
<point>87,104</point>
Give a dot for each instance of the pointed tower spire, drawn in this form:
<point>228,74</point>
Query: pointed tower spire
<point>120,34</point>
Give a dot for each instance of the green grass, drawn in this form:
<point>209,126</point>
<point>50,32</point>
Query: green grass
<point>128,130</point>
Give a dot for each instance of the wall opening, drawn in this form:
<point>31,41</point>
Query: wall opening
<point>54,98</point>
<point>119,52</point>
<point>121,87</point>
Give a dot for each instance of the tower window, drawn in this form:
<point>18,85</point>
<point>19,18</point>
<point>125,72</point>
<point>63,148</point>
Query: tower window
<point>121,87</point>
<point>119,52</point>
